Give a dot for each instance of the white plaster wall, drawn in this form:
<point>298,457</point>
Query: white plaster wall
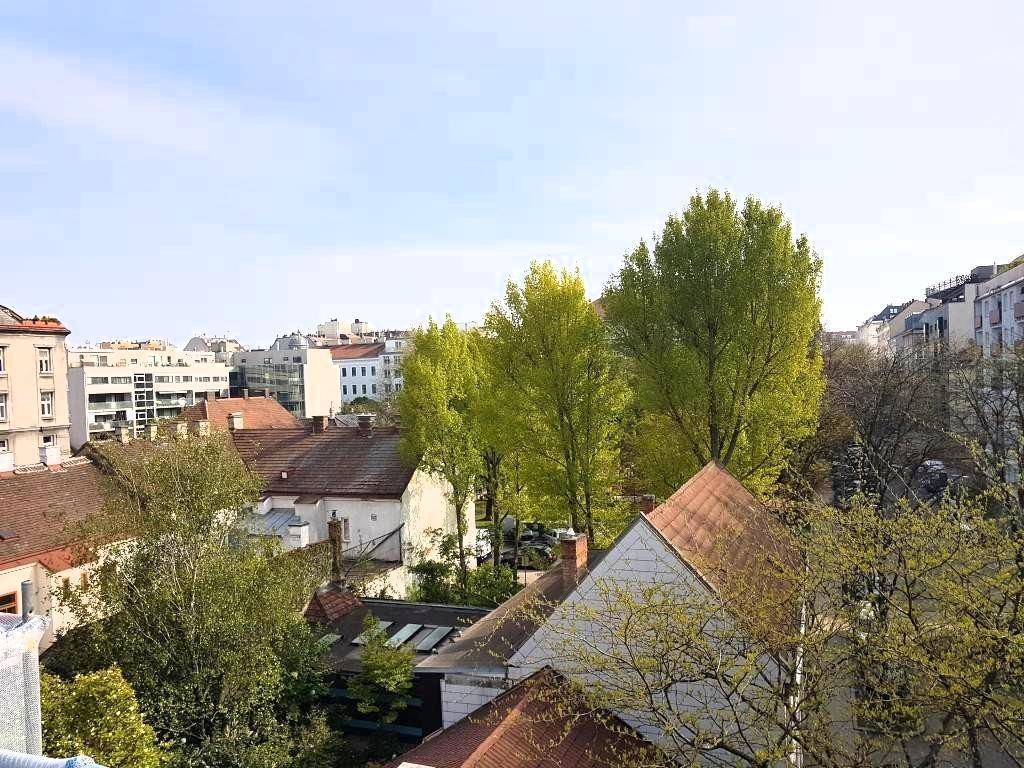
<point>45,591</point>
<point>462,696</point>
<point>425,507</point>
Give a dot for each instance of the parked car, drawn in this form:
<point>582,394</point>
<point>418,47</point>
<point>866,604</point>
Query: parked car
<point>535,556</point>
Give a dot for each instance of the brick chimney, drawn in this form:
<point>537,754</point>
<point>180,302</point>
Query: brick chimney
<point>647,503</point>
<point>364,424</point>
<point>574,557</point>
<point>334,535</point>
<point>203,428</point>
<point>236,421</point>
<point>319,424</point>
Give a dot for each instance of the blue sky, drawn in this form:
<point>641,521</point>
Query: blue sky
<point>251,168</point>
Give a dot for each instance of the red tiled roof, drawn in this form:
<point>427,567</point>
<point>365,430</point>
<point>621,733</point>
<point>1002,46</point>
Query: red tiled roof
<point>257,413</point>
<point>40,510</point>
<point>356,351</point>
<point>337,462</point>
<point>725,534</point>
<point>330,603</point>
<point>520,729</point>
<point>12,322</point>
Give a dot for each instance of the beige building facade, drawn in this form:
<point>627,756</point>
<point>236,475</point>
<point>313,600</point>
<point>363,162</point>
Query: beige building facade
<point>34,413</point>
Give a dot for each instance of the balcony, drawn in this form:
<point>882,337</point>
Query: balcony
<point>111,405</point>
<point>995,317</point>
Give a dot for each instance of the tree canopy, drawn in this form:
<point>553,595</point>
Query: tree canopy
<point>718,319</point>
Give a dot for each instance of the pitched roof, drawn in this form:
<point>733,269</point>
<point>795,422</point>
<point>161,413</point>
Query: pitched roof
<point>340,461</point>
<point>257,413</point>
<point>356,351</point>
<point>330,603</point>
<point>495,638</point>
<point>12,322</point>
<point>726,535</point>
<point>38,512</point>
<point>520,729</point>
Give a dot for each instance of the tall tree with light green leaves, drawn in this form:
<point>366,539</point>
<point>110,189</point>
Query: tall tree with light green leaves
<point>439,378</point>
<point>564,391</point>
<point>718,318</point>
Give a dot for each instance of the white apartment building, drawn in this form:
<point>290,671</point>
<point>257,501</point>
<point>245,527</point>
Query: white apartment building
<point>301,376</point>
<point>951,320</point>
<point>33,389</point>
<point>370,370</point>
<point>112,388</point>
<point>999,311</point>
<point>221,347</point>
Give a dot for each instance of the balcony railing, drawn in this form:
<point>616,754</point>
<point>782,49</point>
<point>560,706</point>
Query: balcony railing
<point>113,405</point>
<point>995,317</point>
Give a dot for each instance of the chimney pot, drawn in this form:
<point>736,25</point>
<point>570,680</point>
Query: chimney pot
<point>236,421</point>
<point>364,424</point>
<point>6,461</point>
<point>574,557</point>
<point>49,455</point>
<point>647,503</point>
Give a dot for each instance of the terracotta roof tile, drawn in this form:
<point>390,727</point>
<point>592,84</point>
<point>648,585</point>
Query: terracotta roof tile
<point>336,462</point>
<point>257,413</point>
<point>330,603</point>
<point>519,730</point>
<point>356,351</point>
<point>726,535</point>
<point>39,511</point>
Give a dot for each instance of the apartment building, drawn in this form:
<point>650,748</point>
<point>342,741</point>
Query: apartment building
<point>359,370</point>
<point>299,375</point>
<point>112,388</point>
<point>950,318</point>
<point>34,413</point>
<point>221,347</point>
<point>999,310</point>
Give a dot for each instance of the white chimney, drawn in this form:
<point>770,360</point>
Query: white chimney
<point>203,428</point>
<point>151,432</point>
<point>181,430</point>
<point>6,461</point>
<point>50,455</point>
<point>123,435</point>
<point>235,420</point>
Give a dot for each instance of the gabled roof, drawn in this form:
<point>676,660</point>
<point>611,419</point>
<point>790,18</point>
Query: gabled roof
<point>726,535</point>
<point>356,351</point>
<point>257,413</point>
<point>494,639</point>
<point>330,603</point>
<point>520,729</point>
<point>38,512</point>
<point>340,461</point>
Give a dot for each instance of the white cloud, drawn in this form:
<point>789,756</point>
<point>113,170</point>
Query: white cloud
<point>68,93</point>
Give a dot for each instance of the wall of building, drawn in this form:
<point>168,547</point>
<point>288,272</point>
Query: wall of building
<point>24,428</point>
<point>359,378</point>
<point>45,594</point>
<point>1003,292</point>
<point>106,392</point>
<point>462,695</point>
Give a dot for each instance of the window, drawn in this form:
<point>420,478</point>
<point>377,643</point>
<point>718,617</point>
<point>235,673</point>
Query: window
<point>98,380</point>
<point>297,359</point>
<point>103,359</point>
<point>363,373</point>
<point>373,370</point>
<point>135,361</point>
<point>266,361</point>
<point>186,379</point>
<point>344,371</point>
<point>364,389</point>
<point>3,407</point>
<point>346,531</point>
<point>344,389</point>
<point>46,405</point>
<point>45,360</point>
<point>9,603</point>
<point>3,446</point>
<point>374,388</point>
<point>120,379</point>
<point>3,360</point>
